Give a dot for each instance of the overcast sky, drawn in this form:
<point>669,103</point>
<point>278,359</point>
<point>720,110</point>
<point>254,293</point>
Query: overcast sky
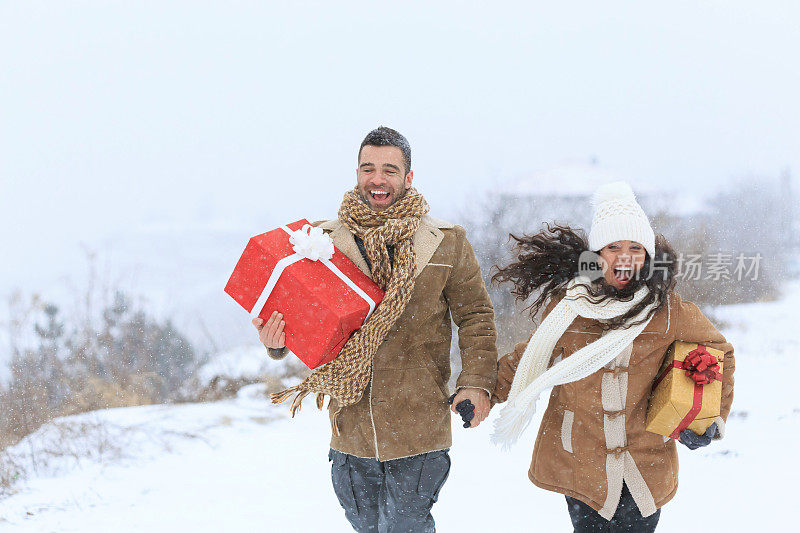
<point>118,115</point>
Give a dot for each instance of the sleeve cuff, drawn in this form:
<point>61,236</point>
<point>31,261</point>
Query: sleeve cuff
<point>459,387</point>
<point>476,382</point>
<point>277,353</point>
<point>720,428</point>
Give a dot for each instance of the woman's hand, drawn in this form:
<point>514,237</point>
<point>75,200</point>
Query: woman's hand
<point>692,440</point>
<point>506,368</point>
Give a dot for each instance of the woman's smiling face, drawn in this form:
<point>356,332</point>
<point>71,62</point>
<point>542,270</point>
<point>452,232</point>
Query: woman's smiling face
<point>621,260</point>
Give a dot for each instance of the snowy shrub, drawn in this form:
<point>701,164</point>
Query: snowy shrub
<point>745,220</point>
<point>130,359</point>
<point>225,373</point>
<point>123,358</point>
<point>10,473</point>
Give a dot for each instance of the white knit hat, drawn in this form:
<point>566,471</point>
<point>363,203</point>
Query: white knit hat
<point>619,217</point>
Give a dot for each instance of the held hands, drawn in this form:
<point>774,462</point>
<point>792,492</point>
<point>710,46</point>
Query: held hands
<point>692,440</point>
<point>271,333</point>
<point>472,404</point>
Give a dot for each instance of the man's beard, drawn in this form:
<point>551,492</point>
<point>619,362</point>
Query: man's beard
<point>364,199</point>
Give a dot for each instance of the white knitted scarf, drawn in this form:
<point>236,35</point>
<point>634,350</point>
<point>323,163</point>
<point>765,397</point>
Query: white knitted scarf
<point>533,376</point>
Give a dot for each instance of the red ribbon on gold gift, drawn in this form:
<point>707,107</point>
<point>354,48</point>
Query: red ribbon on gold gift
<point>702,368</point>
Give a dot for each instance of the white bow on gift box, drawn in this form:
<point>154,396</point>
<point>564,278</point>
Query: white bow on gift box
<point>314,244</point>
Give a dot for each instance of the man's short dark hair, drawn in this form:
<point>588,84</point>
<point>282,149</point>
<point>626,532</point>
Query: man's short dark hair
<point>384,136</point>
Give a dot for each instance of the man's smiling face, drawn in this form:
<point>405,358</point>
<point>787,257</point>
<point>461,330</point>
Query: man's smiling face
<point>381,175</point>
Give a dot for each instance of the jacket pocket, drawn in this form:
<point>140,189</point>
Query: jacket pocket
<point>566,430</point>
<point>436,377</point>
<point>435,470</point>
<point>342,480</point>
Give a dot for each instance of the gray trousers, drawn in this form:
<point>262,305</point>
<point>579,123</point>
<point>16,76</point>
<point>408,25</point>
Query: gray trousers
<point>390,496</point>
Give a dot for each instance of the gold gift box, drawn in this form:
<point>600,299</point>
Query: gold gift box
<point>674,396</point>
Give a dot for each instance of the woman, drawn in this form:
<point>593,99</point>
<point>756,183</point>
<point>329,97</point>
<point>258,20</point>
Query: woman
<point>600,345</point>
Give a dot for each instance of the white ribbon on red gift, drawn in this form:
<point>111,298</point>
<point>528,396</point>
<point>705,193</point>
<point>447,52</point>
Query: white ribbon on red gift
<point>311,243</point>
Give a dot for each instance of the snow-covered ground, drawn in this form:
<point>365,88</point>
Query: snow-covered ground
<point>242,465</point>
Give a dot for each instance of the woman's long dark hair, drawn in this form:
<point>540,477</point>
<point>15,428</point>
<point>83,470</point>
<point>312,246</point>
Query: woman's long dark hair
<point>548,260</point>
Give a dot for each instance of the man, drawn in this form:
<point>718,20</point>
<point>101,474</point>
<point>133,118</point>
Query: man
<point>389,412</point>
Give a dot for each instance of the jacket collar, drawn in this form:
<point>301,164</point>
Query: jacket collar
<point>425,241</point>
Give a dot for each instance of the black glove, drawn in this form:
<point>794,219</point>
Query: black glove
<point>465,408</point>
<point>692,440</point>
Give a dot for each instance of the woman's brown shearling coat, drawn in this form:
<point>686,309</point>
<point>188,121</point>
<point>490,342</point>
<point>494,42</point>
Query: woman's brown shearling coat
<point>581,473</point>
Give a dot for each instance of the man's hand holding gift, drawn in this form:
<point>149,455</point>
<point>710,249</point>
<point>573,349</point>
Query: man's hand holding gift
<point>472,404</point>
<point>271,334</point>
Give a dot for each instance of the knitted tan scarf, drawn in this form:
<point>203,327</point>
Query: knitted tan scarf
<point>346,377</point>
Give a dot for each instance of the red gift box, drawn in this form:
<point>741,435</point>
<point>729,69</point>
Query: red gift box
<point>322,301</point>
